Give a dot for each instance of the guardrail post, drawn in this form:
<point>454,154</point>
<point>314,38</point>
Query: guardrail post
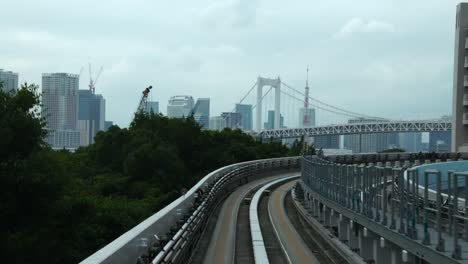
<point>456,254</point>
<point>465,230</point>
<point>392,201</point>
<point>378,193</point>
<point>408,199</point>
<point>440,240</point>
<point>427,236</point>
<point>449,201</point>
<point>401,188</point>
<point>386,173</point>
<point>415,202</point>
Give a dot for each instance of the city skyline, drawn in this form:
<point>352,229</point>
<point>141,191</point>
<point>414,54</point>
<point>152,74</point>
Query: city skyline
<point>222,60</point>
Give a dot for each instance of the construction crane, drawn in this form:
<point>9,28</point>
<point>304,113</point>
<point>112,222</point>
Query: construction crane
<point>144,98</point>
<point>92,82</point>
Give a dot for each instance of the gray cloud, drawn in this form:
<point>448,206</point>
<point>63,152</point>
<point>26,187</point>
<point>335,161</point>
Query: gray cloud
<point>377,57</point>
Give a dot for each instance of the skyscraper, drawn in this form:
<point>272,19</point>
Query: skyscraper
<point>460,82</point>
<point>270,124</point>
<point>179,106</point>
<point>9,80</point>
<point>107,125</point>
<point>411,141</point>
<point>91,116</point>
<point>217,123</point>
<point>436,138</point>
<point>245,110</point>
<point>201,112</point>
<point>232,120</point>
<point>327,141</point>
<point>60,108</point>
<point>152,106</point>
<point>368,143</point>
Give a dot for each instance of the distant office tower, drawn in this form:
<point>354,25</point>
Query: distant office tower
<point>179,106</point>
<point>411,141</point>
<point>201,112</point>
<point>152,106</point>
<point>60,108</point>
<point>437,137</point>
<point>328,142</point>
<point>217,123</point>
<point>442,147</point>
<point>245,110</point>
<point>232,120</point>
<point>306,117</point>
<point>9,80</point>
<point>107,125</point>
<point>369,143</point>
<point>270,124</point>
<point>460,82</point>
<point>91,116</point>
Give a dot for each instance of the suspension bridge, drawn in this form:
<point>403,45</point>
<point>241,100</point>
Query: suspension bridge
<point>285,112</point>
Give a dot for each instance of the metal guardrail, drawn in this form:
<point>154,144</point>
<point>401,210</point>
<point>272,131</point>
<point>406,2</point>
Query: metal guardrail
<point>171,235</point>
<point>382,194</point>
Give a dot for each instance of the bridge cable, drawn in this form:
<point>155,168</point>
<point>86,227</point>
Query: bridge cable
<point>320,107</point>
<point>354,114</point>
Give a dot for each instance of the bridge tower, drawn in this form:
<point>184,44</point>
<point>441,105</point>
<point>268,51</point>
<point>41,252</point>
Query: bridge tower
<point>275,83</point>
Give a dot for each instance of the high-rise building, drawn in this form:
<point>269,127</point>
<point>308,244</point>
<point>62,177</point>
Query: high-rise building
<point>60,108</point>
<point>436,137</point>
<point>306,117</point>
<point>245,110</point>
<point>91,116</point>
<point>369,143</point>
<point>180,106</point>
<point>107,125</point>
<point>232,120</point>
<point>152,106</point>
<point>411,141</point>
<point>328,142</point>
<point>201,112</point>
<point>460,82</point>
<point>9,80</point>
<point>270,124</point>
<point>217,123</point>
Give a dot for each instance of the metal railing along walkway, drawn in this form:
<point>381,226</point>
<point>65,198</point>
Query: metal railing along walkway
<point>393,203</point>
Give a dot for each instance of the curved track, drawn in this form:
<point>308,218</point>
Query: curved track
<point>222,244</point>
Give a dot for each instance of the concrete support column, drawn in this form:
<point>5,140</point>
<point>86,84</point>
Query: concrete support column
<point>352,236</point>
<point>343,226</point>
<point>382,252</point>
<point>365,244</point>
<point>327,216</point>
<point>395,255</point>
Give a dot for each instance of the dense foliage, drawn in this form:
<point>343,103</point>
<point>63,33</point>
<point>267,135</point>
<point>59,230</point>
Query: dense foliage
<point>59,207</point>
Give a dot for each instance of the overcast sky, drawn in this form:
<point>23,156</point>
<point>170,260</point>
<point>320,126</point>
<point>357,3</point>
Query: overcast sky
<point>389,58</point>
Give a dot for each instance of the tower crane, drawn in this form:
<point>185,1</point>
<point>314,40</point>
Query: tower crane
<point>144,98</point>
<point>92,82</point>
